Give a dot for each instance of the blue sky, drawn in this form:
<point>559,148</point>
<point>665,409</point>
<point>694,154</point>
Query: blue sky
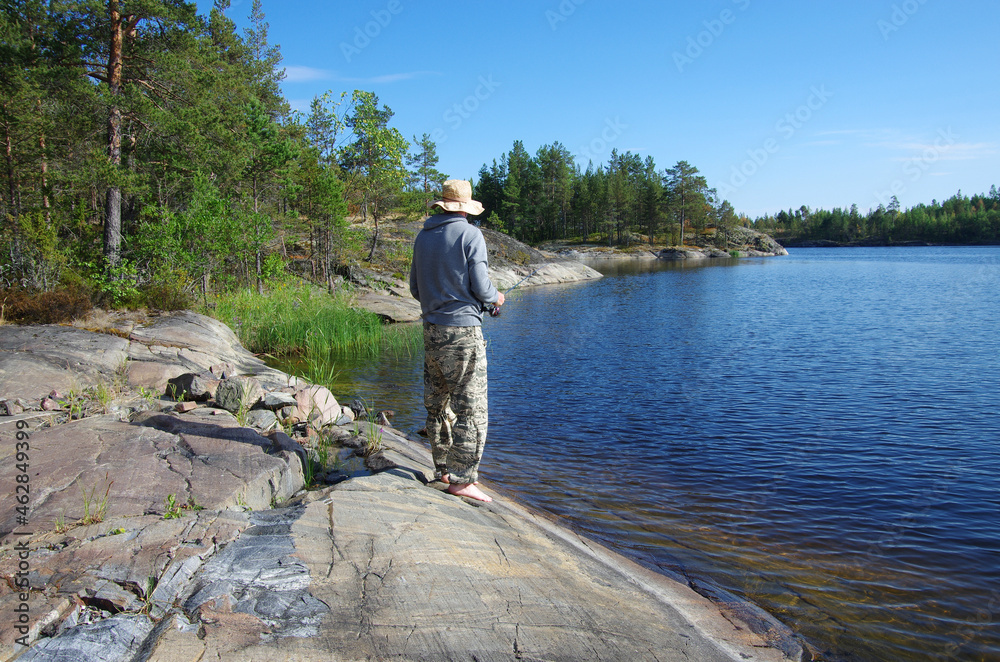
<point>778,103</point>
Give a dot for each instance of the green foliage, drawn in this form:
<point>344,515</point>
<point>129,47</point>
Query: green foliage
<point>115,285</point>
<point>494,222</point>
<point>273,269</point>
<point>424,180</point>
<point>172,509</point>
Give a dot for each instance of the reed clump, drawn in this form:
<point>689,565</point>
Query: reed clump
<point>295,320</point>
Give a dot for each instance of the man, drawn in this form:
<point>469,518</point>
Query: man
<point>449,278</point>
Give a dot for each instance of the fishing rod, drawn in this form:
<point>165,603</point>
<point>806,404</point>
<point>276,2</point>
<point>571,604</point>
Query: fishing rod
<point>494,311</point>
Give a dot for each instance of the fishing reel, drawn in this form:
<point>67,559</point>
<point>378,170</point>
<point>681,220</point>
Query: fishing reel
<point>492,309</point>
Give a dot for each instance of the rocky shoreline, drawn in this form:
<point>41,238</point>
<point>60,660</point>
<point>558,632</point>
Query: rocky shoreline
<point>512,261</point>
<point>740,243</point>
<point>161,525</point>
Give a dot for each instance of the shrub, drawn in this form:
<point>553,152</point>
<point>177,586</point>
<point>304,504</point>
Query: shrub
<point>57,306</point>
<point>166,296</point>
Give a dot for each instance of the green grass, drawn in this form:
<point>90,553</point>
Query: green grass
<point>294,320</point>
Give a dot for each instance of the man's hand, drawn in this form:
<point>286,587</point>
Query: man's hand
<point>500,300</point>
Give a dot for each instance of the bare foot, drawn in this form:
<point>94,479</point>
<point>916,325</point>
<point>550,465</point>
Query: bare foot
<point>468,490</point>
<point>446,479</point>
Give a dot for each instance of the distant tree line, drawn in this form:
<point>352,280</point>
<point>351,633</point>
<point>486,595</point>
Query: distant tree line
<point>547,197</point>
<point>958,220</point>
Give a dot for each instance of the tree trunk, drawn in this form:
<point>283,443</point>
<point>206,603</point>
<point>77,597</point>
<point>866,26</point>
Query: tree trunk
<point>260,277</point>
<point>256,208</point>
<point>45,173</point>
<point>371,253</point>
<point>9,151</point>
<point>113,201</point>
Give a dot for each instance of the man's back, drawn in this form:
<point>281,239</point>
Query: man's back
<point>449,274</point>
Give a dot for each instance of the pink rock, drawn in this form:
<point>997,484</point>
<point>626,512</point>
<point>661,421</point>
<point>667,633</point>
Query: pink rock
<point>48,404</point>
<point>318,406</point>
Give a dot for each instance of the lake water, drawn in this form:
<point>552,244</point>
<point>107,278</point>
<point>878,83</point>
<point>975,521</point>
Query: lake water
<point>818,433</point>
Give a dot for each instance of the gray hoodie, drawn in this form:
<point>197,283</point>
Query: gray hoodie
<point>449,275</point>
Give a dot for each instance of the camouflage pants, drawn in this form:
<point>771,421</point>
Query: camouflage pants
<point>455,398</point>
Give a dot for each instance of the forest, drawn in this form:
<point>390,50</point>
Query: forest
<point>150,158</point>
<point>149,152</point>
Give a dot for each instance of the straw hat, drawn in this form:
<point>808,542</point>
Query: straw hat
<point>456,195</point>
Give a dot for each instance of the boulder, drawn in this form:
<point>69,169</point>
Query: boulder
<point>200,387</point>
<point>238,393</point>
<point>317,405</point>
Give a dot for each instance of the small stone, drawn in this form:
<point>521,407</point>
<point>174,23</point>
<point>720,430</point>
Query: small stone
<point>10,408</point>
<point>275,400</point>
<point>192,386</point>
<point>262,419</point>
<point>184,407</point>
<point>55,395</point>
<point>48,404</point>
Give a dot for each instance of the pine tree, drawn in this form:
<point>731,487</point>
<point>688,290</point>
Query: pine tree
<point>686,201</point>
<point>374,160</point>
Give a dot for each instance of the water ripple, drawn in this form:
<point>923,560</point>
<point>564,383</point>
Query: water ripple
<point>817,433</point>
